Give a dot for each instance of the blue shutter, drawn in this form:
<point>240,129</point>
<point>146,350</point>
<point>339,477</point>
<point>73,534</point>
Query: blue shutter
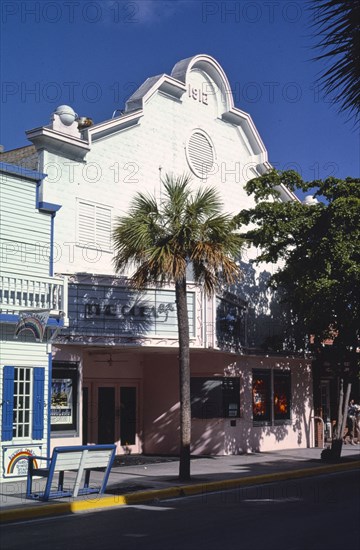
<point>7,404</point>
<point>38,403</point>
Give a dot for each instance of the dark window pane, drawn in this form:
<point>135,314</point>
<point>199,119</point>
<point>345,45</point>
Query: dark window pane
<point>128,416</point>
<point>215,397</point>
<point>261,391</point>
<point>206,398</point>
<point>282,395</point>
<point>85,415</point>
<point>106,415</point>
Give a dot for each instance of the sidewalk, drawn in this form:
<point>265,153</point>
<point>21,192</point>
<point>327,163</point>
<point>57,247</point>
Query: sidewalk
<point>137,479</point>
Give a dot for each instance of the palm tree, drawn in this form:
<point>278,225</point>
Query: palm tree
<point>160,241</point>
<point>338,24</point>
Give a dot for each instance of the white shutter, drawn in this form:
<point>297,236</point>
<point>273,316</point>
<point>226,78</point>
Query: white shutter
<point>94,226</point>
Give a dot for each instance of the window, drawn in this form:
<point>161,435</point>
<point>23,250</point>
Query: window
<point>22,397</point>
<point>23,403</point>
<point>261,392</point>
<point>215,397</point>
<point>282,395</point>
<point>200,154</point>
<point>64,387</point>
<point>94,225</point>
<point>230,324</point>
<point>271,396</point>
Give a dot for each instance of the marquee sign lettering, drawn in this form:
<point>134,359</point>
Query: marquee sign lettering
<point>121,311</point>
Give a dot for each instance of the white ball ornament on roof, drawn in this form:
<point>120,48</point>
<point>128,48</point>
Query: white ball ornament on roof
<point>67,114</point>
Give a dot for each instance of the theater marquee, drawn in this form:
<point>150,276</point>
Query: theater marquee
<point>109,310</point>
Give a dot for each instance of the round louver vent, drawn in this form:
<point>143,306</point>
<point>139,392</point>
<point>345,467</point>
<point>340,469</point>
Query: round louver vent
<point>200,154</point>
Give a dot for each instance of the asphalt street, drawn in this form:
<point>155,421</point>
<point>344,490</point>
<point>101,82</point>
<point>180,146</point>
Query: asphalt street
<point>311,513</point>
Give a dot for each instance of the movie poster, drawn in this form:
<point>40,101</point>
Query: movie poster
<point>62,401</point>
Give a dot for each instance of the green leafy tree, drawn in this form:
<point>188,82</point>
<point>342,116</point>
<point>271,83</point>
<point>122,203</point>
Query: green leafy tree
<point>318,246</point>
<point>161,240</point>
<point>337,27</point>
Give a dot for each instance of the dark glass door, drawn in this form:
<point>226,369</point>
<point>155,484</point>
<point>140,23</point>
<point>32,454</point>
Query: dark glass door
<point>128,415</point>
<point>106,415</point>
<point>85,416</point>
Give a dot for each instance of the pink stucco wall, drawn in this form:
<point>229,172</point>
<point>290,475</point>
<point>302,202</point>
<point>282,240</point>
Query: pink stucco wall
<point>155,374</point>
<point>217,436</point>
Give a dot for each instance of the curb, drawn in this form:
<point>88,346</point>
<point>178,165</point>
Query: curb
<point>97,502</point>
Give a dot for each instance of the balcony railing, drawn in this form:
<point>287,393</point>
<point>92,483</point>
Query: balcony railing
<point>19,293</point>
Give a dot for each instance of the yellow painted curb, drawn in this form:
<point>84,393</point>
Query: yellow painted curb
<point>35,511</point>
<point>94,502</point>
<point>266,478</point>
<point>120,500</point>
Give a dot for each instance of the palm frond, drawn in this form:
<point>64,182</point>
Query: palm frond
<point>204,203</point>
<point>337,23</point>
<point>160,239</point>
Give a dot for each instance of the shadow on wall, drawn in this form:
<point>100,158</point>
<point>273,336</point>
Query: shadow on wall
<point>297,430</point>
<point>303,410</point>
<point>164,435</point>
<point>208,436</point>
<point>163,432</point>
<point>268,326</point>
<point>242,435</point>
<point>213,434</point>
<point>108,310</point>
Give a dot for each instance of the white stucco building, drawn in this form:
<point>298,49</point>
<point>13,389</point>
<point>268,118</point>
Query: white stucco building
<point>120,348</point>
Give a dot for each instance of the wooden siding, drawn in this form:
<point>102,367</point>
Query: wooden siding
<point>24,230</point>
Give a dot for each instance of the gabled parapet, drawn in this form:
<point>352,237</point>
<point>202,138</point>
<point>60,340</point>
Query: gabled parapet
<point>198,79</point>
<point>214,88</point>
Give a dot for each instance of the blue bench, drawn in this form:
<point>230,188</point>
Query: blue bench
<point>80,459</point>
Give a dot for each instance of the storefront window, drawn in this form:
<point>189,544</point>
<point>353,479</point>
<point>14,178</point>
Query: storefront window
<point>64,388</point>
<point>215,397</point>
<point>282,395</point>
<point>261,391</point>
<point>271,396</point>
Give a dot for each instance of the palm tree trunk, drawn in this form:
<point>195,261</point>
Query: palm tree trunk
<point>184,379</point>
<point>345,410</point>
<point>338,434</point>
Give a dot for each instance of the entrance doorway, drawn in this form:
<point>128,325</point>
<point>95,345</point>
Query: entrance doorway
<point>112,416</point>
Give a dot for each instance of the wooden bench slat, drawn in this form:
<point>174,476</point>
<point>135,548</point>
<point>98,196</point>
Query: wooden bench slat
<point>92,459</point>
<point>68,461</point>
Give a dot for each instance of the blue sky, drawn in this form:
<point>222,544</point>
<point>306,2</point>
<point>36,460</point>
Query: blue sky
<point>93,54</point>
